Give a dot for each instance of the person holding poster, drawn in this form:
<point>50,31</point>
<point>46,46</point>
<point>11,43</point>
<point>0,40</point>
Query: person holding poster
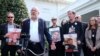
<point>73,27</point>
<point>55,33</point>
<point>9,35</point>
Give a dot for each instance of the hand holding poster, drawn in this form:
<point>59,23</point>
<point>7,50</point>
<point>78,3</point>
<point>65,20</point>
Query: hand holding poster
<point>12,36</point>
<point>55,34</point>
<point>70,42</point>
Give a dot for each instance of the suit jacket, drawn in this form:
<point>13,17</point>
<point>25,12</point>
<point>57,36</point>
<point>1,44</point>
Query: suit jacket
<point>3,31</point>
<point>42,31</point>
<point>89,42</point>
<point>78,29</point>
<point>84,26</point>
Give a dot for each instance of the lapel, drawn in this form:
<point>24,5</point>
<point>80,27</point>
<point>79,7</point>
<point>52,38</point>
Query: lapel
<point>28,26</point>
<point>97,35</point>
<point>15,25</point>
<point>39,23</point>
<point>39,28</point>
<point>6,28</point>
<point>67,28</point>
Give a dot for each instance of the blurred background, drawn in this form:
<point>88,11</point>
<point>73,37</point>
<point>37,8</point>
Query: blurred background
<point>49,9</point>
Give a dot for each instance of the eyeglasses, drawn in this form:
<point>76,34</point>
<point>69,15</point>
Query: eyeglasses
<point>10,17</point>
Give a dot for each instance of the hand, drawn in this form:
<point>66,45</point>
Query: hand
<point>19,50</point>
<point>8,34</point>
<point>93,49</point>
<point>53,47</point>
<point>63,43</point>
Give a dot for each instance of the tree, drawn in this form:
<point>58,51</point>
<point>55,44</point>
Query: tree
<point>18,7</point>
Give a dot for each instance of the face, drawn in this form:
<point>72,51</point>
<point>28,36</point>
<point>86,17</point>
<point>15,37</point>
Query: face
<point>92,21</point>
<point>70,42</point>
<point>10,17</point>
<point>56,34</point>
<point>54,22</point>
<point>34,13</point>
<point>78,18</point>
<point>71,15</point>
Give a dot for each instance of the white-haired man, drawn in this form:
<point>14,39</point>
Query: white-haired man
<point>36,28</point>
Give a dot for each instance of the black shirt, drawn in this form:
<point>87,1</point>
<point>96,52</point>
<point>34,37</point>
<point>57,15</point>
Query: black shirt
<point>77,27</point>
<point>93,36</point>
<point>72,27</point>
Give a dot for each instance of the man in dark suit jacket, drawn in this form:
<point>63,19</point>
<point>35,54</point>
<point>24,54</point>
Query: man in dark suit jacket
<point>4,30</point>
<point>84,26</point>
<point>36,29</point>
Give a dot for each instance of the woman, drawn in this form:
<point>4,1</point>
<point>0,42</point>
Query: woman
<point>92,35</point>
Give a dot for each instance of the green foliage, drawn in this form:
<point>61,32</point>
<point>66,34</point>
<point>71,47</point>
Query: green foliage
<point>18,7</point>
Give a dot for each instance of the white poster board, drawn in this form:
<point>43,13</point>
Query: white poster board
<point>70,42</point>
<point>55,34</point>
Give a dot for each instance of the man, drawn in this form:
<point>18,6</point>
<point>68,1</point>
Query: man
<point>56,37</point>
<point>6,45</point>
<point>73,27</point>
<point>84,26</point>
<point>36,28</point>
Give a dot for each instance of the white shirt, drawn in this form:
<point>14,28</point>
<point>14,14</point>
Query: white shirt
<point>34,34</point>
<point>10,27</point>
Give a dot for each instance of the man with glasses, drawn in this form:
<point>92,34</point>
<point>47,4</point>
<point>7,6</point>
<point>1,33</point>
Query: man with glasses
<point>7,48</point>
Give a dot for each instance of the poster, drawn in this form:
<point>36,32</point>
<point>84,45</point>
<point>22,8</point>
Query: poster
<point>70,42</point>
<point>12,36</point>
<point>55,34</point>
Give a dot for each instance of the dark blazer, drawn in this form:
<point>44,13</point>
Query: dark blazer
<point>3,31</point>
<point>78,29</point>
<point>84,26</point>
<point>41,28</point>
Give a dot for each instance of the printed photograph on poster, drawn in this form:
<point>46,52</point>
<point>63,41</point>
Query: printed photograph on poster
<point>12,36</point>
<point>55,34</point>
<point>70,42</point>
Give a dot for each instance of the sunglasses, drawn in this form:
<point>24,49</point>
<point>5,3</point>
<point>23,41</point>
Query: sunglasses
<point>10,17</point>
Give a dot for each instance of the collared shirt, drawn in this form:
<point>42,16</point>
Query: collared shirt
<point>10,27</point>
<point>34,33</point>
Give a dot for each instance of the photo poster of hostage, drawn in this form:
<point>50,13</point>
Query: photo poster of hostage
<point>55,34</point>
<point>13,36</point>
<point>70,42</point>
